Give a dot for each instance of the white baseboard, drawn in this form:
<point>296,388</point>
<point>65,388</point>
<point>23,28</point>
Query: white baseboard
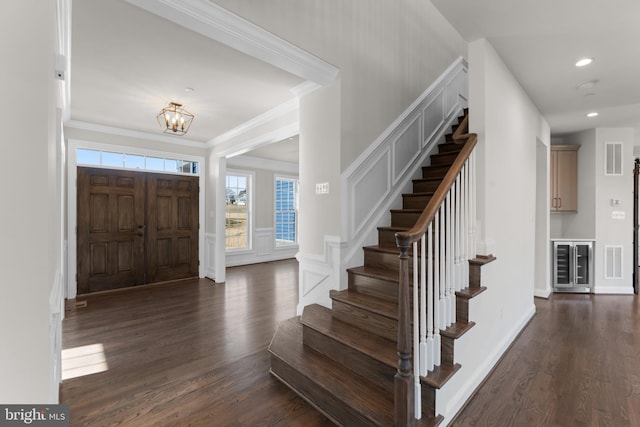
<point>542,293</point>
<point>613,290</point>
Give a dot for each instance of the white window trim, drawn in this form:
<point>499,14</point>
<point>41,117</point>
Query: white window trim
<point>251,175</point>
<point>277,176</point>
<point>72,195</point>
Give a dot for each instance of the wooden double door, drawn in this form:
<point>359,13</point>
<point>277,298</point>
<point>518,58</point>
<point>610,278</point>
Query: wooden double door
<point>135,228</point>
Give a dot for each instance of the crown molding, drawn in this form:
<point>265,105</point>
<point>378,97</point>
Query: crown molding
<point>264,139</point>
<point>266,117</point>
<point>217,23</point>
<point>112,130</point>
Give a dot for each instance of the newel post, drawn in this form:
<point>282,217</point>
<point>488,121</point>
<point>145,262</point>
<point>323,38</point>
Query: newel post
<point>403,381</point>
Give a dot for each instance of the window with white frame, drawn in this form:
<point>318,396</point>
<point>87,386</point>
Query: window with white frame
<point>237,211</point>
<point>120,160</point>
<point>286,211</point>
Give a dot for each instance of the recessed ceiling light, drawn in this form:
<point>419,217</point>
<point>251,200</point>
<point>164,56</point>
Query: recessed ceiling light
<point>588,85</point>
<point>189,89</point>
<point>584,61</point>
<point>593,114</point>
<point>589,94</point>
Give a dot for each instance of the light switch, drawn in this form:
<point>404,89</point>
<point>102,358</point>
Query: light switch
<point>322,188</point>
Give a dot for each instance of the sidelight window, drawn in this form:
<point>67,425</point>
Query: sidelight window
<point>237,211</point>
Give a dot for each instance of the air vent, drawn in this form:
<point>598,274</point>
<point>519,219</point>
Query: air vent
<point>613,262</point>
<point>613,158</point>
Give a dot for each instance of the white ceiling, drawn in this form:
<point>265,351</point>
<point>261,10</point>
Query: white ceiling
<point>126,64</point>
<point>540,41</point>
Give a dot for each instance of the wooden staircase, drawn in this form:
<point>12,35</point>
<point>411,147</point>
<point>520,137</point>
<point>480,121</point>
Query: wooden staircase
<point>343,360</point>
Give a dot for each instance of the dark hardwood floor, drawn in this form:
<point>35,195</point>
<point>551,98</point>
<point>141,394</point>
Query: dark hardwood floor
<point>188,353</point>
<point>577,363</point>
<point>195,353</point>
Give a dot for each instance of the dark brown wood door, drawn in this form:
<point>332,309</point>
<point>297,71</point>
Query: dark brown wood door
<point>111,213</point>
<point>135,228</point>
<point>172,227</point>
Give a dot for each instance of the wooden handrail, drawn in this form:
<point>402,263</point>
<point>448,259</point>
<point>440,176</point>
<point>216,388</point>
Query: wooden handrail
<point>405,238</point>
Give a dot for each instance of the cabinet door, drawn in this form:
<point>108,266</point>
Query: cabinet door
<point>553,194</point>
<point>567,181</point>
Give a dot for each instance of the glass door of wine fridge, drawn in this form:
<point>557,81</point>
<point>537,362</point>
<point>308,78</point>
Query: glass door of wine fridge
<point>572,266</point>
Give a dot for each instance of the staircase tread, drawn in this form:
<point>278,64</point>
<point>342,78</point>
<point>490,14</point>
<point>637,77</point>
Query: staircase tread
<point>406,210</point>
<point>433,178</point>
<point>321,319</point>
<point>439,376</point>
<point>482,259</point>
<point>371,303</point>
<point>470,292</point>
<point>385,249</point>
<point>347,386</point>
<point>447,153</point>
<point>457,329</point>
<point>442,165</point>
<point>378,273</point>
<point>391,228</point>
<point>425,193</point>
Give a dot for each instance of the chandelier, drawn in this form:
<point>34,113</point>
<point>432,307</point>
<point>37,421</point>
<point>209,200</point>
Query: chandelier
<point>174,119</point>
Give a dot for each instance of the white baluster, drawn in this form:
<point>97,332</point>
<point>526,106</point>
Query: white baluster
<point>437,289</point>
<point>429,303</point>
<point>450,253</point>
<point>424,353</point>
<point>450,256</point>
<point>416,336</point>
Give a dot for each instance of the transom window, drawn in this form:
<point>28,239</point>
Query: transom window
<point>286,211</point>
<point>111,159</point>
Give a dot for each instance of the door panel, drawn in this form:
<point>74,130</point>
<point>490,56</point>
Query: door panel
<point>111,206</point>
<point>172,227</point>
<point>135,228</point>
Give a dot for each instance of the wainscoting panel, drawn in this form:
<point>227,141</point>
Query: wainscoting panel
<point>371,188</point>
<point>433,115</point>
<point>318,274</point>
<point>406,148</point>
<point>210,255</point>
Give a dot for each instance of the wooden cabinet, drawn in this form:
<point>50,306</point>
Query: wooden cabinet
<point>564,178</point>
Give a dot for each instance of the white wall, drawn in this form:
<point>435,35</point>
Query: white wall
<point>509,126</point>
<point>610,231</point>
<point>30,248</point>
